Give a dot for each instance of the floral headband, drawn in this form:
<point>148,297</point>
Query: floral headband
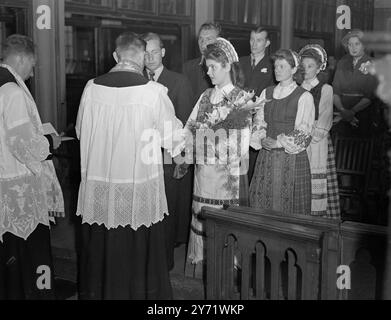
<point>228,49</point>
<point>319,50</point>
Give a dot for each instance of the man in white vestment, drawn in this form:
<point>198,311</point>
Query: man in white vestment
<point>123,121</point>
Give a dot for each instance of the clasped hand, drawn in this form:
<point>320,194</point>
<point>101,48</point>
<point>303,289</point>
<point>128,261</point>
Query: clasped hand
<point>349,116</point>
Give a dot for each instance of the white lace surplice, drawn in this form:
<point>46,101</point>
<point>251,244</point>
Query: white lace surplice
<point>121,165</point>
<point>29,187</point>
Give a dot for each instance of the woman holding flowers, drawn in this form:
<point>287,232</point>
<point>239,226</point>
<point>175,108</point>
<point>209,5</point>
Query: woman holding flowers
<point>325,197</point>
<point>219,129</point>
<point>282,130</point>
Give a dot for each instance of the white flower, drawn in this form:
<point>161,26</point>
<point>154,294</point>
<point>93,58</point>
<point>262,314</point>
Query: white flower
<point>243,98</point>
<point>224,111</point>
<point>264,70</point>
<point>364,67</point>
<point>213,116</point>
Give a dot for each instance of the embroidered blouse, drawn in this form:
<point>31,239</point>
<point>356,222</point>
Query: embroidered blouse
<point>296,141</point>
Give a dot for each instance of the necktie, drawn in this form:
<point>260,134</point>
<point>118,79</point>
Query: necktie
<point>151,76</point>
<point>253,64</point>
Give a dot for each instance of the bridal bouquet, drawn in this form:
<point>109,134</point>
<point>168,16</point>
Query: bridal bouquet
<point>234,114</point>
<point>229,117</point>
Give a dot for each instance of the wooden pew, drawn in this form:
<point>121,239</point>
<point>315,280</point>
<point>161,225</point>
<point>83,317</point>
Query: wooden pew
<point>292,257</point>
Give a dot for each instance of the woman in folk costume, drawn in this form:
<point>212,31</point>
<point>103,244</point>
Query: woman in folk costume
<point>29,188</point>
<point>325,198</point>
<point>282,130</point>
<point>225,111</point>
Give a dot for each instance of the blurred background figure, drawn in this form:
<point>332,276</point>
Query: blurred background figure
<point>354,89</point>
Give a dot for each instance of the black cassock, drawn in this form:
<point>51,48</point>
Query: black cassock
<point>178,192</point>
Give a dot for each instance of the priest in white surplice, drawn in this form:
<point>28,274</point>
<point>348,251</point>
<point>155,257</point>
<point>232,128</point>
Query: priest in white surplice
<point>122,198</point>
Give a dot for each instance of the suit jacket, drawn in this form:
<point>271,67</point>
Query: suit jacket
<point>179,91</point>
<point>197,74</point>
<point>179,192</point>
<point>261,77</point>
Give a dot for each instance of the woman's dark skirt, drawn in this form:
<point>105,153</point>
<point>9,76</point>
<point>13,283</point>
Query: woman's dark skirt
<point>124,264</point>
<point>20,275</point>
<point>281,182</point>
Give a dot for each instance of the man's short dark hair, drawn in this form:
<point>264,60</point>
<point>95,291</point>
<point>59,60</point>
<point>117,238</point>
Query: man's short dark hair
<point>210,26</point>
<point>18,44</point>
<point>260,29</point>
<point>153,36</point>
<point>128,41</point>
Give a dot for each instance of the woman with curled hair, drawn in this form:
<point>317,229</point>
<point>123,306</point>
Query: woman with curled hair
<point>354,90</point>
<point>325,197</point>
<point>219,177</point>
<point>282,130</point>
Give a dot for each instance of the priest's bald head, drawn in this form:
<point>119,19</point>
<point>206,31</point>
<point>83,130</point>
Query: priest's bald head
<point>130,47</point>
<point>18,53</point>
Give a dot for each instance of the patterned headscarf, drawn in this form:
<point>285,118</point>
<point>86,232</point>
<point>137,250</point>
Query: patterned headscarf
<point>228,49</point>
<point>318,50</point>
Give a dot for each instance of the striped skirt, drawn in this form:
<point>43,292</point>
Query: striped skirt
<point>333,206</point>
<point>281,182</point>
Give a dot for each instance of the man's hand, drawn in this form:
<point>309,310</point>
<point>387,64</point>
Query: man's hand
<point>269,143</point>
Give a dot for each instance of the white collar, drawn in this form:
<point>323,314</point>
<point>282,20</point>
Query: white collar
<point>313,83</point>
<point>158,72</point>
<point>226,89</point>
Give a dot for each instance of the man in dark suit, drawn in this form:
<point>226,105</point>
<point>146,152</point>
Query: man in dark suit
<point>258,74</point>
<point>195,70</point>
<point>178,192</point>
